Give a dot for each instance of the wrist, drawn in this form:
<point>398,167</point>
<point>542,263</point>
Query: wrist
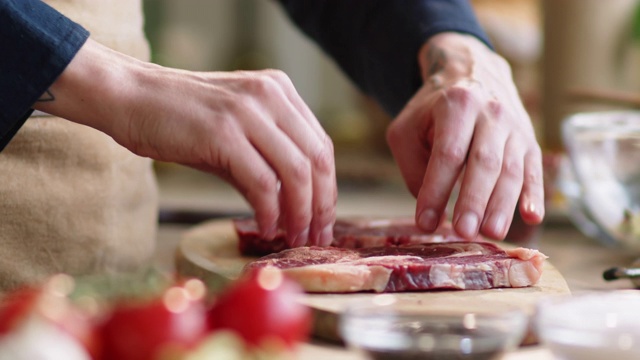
<point>94,89</point>
<point>451,55</point>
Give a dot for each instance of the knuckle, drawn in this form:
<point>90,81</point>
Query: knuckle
<point>460,96</point>
<point>513,168</point>
<point>495,109</point>
<point>533,172</point>
<point>300,217</point>
<point>264,183</point>
<point>323,160</point>
<point>278,75</point>
<point>325,211</point>
<point>328,143</point>
<point>451,153</point>
<point>301,171</point>
<point>533,177</point>
<point>262,85</point>
<point>487,158</point>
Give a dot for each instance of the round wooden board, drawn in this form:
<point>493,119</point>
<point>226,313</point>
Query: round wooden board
<point>209,251</point>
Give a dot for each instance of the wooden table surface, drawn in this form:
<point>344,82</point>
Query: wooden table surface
<point>579,259</point>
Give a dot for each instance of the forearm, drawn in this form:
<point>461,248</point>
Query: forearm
<point>96,89</point>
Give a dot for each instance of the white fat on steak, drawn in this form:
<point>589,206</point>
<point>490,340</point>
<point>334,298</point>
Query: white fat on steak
<point>416,267</point>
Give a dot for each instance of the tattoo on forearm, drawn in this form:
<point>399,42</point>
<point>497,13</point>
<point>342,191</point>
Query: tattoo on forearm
<point>47,97</point>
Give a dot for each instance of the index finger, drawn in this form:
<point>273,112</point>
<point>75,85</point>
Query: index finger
<point>454,114</point>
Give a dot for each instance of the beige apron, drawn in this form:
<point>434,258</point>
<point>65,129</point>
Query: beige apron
<point>71,199</point>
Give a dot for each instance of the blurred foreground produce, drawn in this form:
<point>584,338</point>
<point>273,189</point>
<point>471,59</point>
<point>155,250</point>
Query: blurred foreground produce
<point>262,308</point>
<point>153,317</point>
<point>163,327</point>
<point>42,323</point>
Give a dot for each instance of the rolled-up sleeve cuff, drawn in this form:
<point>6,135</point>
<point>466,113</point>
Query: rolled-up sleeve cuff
<point>376,42</point>
<point>37,44</point>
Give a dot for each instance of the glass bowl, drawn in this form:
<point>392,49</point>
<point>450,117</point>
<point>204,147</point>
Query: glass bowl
<point>390,328</point>
<point>601,179</point>
<point>591,326</point>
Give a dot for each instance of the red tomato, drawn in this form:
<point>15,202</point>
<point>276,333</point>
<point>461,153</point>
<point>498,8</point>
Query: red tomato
<point>52,305</point>
<point>144,330</point>
<point>260,306</point>
<point>15,306</point>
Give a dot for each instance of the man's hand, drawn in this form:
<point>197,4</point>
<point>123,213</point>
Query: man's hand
<point>467,122</point>
<point>251,128</point>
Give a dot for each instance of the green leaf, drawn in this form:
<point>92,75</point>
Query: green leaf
<point>144,284</point>
<point>635,25</point>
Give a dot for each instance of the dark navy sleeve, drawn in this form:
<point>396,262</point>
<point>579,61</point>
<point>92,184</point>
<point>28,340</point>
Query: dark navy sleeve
<point>36,44</point>
<point>376,42</point>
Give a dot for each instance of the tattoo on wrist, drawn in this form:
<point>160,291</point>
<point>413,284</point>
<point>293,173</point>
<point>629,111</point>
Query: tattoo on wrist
<point>437,59</point>
<point>47,97</point>
<point>448,62</point>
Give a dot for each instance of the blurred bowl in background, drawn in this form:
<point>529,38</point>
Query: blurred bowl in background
<point>591,326</point>
<point>601,179</point>
<point>389,328</point>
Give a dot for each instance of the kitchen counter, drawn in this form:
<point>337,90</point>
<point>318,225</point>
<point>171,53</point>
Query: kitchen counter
<point>580,259</point>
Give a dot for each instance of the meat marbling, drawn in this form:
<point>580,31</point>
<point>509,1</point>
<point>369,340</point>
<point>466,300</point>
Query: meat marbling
<point>414,267</point>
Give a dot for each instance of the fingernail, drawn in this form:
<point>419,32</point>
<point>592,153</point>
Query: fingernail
<point>467,225</point>
<point>428,220</point>
<point>302,238</point>
<point>531,208</point>
<point>326,237</point>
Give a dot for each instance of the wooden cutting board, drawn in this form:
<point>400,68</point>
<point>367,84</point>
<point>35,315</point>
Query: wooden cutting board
<point>210,252</point>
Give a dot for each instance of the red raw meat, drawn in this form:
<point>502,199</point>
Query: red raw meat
<point>418,267</point>
<point>351,234</point>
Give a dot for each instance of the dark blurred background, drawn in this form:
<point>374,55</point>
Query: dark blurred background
<point>567,56</point>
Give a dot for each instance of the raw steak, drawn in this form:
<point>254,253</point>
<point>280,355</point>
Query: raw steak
<point>351,234</point>
<point>454,265</point>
